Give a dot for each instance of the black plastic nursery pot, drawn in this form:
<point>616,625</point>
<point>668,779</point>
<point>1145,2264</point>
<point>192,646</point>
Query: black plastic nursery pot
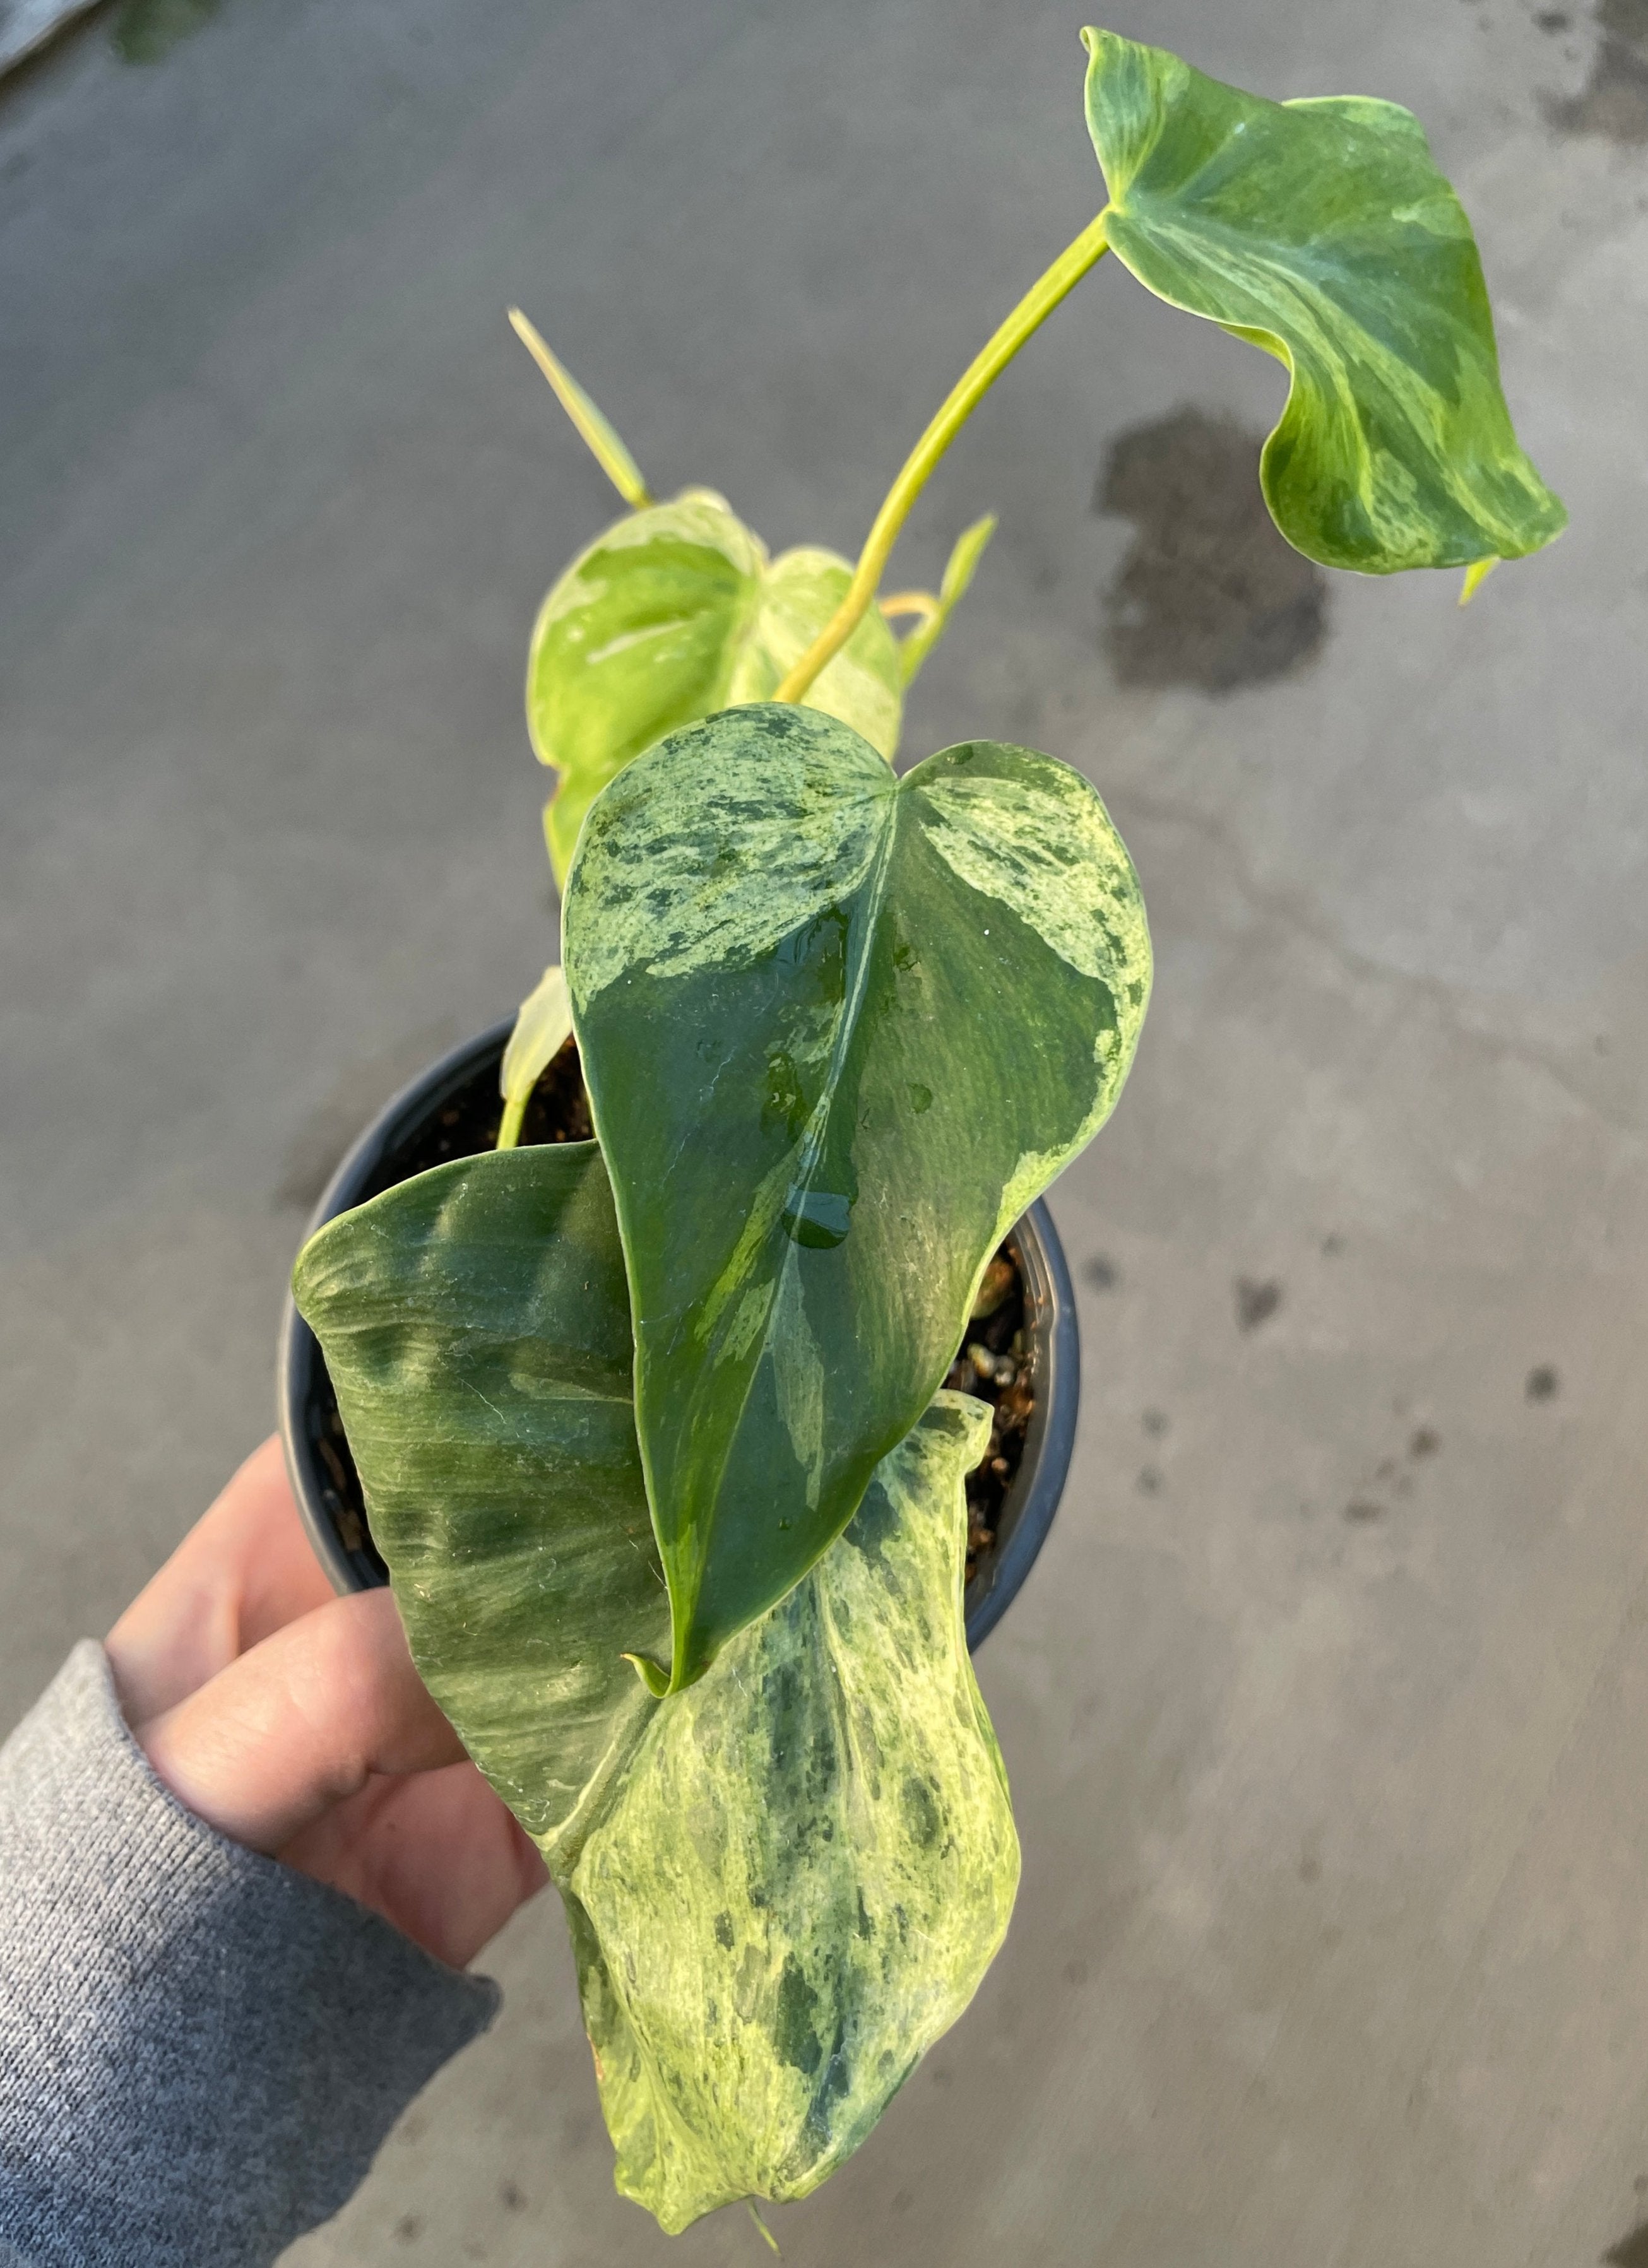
<point>448,1112</point>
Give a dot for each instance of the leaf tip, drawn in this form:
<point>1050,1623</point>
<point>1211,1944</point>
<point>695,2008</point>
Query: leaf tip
<point>1475,575</point>
<point>965,554</point>
<point>542,1026</point>
<point>655,1680</point>
<point>600,437</point>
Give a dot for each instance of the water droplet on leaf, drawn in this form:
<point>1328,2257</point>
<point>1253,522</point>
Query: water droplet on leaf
<point>817,1218</point>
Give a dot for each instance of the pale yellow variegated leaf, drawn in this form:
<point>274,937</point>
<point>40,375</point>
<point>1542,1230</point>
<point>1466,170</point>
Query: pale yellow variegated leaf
<point>600,437</point>
<point>673,612</point>
<point>543,1027</point>
<point>799,591</point>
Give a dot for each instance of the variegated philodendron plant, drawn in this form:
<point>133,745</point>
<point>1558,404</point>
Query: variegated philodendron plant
<point>650,1427</point>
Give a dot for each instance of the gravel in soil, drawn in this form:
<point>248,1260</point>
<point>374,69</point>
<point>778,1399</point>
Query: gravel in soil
<point>994,1364</point>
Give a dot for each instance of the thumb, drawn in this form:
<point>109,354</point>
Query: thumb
<point>300,1722</point>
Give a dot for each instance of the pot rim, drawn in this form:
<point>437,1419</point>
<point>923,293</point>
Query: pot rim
<point>1027,1512</point>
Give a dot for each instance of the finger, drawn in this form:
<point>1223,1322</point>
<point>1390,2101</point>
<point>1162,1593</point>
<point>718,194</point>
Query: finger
<point>300,1723</point>
<point>241,1573</point>
<point>436,1854</point>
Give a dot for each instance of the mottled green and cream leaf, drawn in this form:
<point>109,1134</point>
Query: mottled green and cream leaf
<point>671,613</point>
<point>784,1884</point>
<point>1322,231</point>
<point>475,1323</point>
<point>837,1029</point>
<point>808,1864</point>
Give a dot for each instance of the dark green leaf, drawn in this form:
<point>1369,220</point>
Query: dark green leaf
<point>673,612</point>
<point>1322,231</point>
<point>838,1029</point>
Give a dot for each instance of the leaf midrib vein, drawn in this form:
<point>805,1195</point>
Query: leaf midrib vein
<point>871,897</point>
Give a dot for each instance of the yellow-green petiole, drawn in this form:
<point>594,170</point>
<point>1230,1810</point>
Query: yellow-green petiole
<point>958,405</point>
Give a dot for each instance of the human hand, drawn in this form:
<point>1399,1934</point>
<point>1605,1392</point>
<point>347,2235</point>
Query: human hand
<point>294,1721</point>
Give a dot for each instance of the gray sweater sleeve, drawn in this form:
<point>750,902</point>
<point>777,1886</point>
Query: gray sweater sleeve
<point>201,2049</point>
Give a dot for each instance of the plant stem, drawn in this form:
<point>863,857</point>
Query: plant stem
<point>964,397</point>
<point>509,1130</point>
<point>911,602</point>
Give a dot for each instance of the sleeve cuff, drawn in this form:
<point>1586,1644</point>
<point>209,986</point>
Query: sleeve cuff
<point>201,2049</point>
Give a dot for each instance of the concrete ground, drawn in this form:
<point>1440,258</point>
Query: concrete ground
<point>1326,1708</point>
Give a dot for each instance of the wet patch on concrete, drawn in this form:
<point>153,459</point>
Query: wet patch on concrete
<point>1613,100</point>
<point>1209,594</point>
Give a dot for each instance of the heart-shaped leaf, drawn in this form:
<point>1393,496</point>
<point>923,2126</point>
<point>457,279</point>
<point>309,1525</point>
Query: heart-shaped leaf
<point>808,1865</point>
<point>1322,231</point>
<point>475,1323</point>
<point>784,1884</point>
<point>673,612</point>
<point>839,1028</point>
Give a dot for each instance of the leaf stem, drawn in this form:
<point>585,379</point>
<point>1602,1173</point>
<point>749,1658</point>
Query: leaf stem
<point>958,405</point>
<point>924,603</point>
<point>509,1130</point>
